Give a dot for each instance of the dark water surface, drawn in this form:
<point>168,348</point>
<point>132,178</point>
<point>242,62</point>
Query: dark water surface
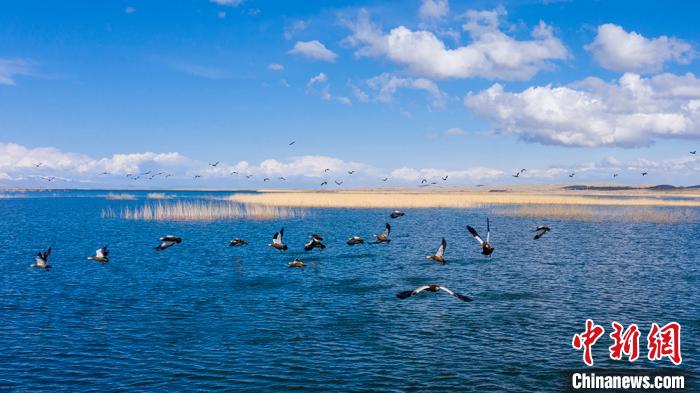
<point>202,315</point>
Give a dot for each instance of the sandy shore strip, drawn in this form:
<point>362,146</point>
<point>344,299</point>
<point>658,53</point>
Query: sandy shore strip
<point>452,199</point>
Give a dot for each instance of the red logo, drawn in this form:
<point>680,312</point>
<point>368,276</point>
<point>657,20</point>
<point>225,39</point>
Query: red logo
<point>586,340</point>
<point>626,342</point>
<point>665,342</point>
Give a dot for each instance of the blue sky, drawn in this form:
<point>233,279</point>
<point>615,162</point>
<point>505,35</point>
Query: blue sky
<point>411,90</point>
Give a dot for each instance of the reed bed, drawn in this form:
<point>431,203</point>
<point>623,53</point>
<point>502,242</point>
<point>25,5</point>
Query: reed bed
<point>659,215</point>
<point>120,197</point>
<point>380,199</point>
<point>202,211</point>
<point>158,196</point>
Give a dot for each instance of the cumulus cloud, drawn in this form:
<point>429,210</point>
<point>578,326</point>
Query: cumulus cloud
<point>386,85</point>
<point>433,9</point>
<point>318,85</point>
<point>492,54</point>
<point>16,159</point>
<point>313,50</point>
<point>630,112</point>
<point>229,3</point>
<point>470,174</point>
<point>275,67</point>
<point>617,50</point>
<point>295,27</point>
<point>11,68</point>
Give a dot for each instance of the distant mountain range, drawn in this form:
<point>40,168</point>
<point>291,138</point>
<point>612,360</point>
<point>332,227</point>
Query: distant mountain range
<point>659,187</point>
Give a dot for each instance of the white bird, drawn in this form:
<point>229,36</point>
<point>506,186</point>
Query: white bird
<point>168,241</point>
<point>440,253</point>
<point>433,288</point>
<point>100,255</point>
<point>42,259</point>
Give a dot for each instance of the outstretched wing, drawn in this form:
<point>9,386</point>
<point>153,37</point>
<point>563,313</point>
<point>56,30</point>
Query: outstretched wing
<point>387,229</point>
<point>441,250</point>
<point>406,294</point>
<point>100,253</point>
<point>277,239</point>
<point>475,234</point>
<point>488,230</point>
<point>457,295</point>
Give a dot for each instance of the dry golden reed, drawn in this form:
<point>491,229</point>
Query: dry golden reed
<point>383,199</point>
<point>665,215</point>
<point>201,211</point>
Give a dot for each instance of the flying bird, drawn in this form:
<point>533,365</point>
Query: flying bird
<point>423,181</point>
<point>38,165</point>
<point>296,263</point>
<point>385,179</point>
<point>248,176</point>
<point>292,142</point>
<point>572,175</point>
<point>237,242</point>
<point>282,178</point>
<point>168,241</point>
<point>351,172</point>
<point>338,182</point>
<point>100,255</point>
<point>49,179</point>
<point>324,183</point>
<point>517,174</point>
<point>433,288</point>
<point>197,176</point>
<point>541,230</point>
<point>277,241</point>
<point>396,214</point>
<point>384,236</point>
<point>523,170</point>
<point>233,173</point>
<point>327,169</point>
<point>693,152</point>
<point>315,242</point>
<point>168,175</point>
<point>214,164</point>
<point>615,175</point>
<point>355,240</point>
<point>103,173</point>
<point>42,260</point>
<point>486,248</point>
<point>440,253</point>
<point>645,173</point>
<point>266,179</point>
<point>445,178</point>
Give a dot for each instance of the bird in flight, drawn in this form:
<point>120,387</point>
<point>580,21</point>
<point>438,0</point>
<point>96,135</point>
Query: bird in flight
<point>693,152</point>
<point>351,172</point>
<point>396,214</point>
<point>197,176</point>
<point>571,175</point>
<point>282,178</point>
<point>324,183</point>
<point>517,174</point>
<point>168,175</point>
<point>315,242</point>
<point>168,241</point>
<point>100,255</point>
<point>384,236</point>
<point>355,240</point>
<point>103,173</point>
<point>42,260</point>
<point>266,179</point>
<point>486,248</point>
<point>214,164</point>
<point>237,242</point>
<point>645,173</point>
<point>385,179</point>
<point>338,182</point>
<point>277,241</point>
<point>541,230</point>
<point>296,263</point>
<point>49,179</point>
<point>38,164</point>
<point>440,253</point>
<point>615,175</point>
<point>327,169</point>
<point>423,181</point>
<point>433,288</point>
<point>248,176</point>
<point>445,178</point>
<point>292,142</point>
<point>233,173</point>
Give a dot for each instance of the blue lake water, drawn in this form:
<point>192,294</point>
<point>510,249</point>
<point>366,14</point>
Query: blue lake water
<point>202,315</point>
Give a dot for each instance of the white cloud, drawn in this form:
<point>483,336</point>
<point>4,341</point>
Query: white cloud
<point>229,3</point>
<point>11,68</point>
<point>633,111</point>
<point>318,85</point>
<point>433,9</point>
<point>415,175</point>
<point>221,14</point>
<point>491,54</point>
<point>295,27</point>
<point>617,50</point>
<point>320,78</point>
<point>275,67</point>
<point>386,86</point>
<point>129,10</point>
<point>18,159</point>
<point>314,50</point>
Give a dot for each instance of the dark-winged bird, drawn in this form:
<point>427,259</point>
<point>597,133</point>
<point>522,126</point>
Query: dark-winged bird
<point>168,241</point>
<point>440,253</point>
<point>237,242</point>
<point>277,241</point>
<point>384,236</point>
<point>315,242</point>
<point>486,248</point>
<point>397,214</point>
<point>355,240</point>
<point>541,230</point>
<point>433,288</point>
<point>42,259</point>
<point>100,255</point>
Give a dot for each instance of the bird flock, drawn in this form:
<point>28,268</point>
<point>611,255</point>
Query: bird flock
<point>424,182</point>
<point>316,243</point>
